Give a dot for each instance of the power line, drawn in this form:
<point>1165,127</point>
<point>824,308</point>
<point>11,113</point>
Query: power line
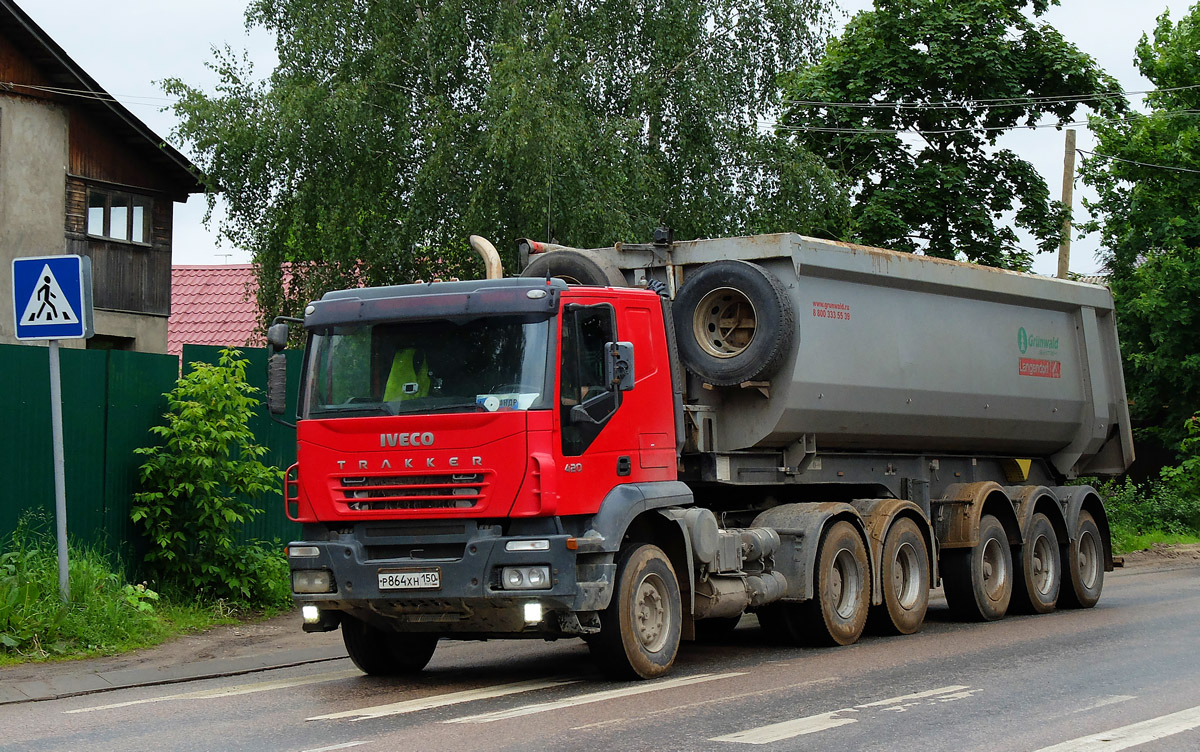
<point>97,96</point>
<point>966,129</point>
<point>1139,164</point>
<point>985,103</point>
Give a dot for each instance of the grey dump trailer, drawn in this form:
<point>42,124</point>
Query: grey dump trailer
<point>936,409</point>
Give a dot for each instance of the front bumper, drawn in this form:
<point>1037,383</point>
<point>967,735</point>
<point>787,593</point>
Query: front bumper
<point>469,557</point>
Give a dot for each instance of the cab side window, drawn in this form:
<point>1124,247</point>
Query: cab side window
<point>586,330</point>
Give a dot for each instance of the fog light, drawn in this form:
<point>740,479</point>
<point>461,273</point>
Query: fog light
<point>533,613</point>
<point>312,581</point>
<point>302,552</point>
<point>311,614</point>
<point>525,578</point>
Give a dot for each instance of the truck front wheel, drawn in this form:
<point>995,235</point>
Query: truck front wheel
<point>640,629</point>
<point>978,581</point>
<point>381,653</point>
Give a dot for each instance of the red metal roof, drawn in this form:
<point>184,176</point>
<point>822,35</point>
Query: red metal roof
<point>212,305</point>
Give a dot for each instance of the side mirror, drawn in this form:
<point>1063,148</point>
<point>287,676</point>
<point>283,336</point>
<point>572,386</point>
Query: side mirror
<point>277,379</point>
<point>277,337</point>
<point>618,365</point>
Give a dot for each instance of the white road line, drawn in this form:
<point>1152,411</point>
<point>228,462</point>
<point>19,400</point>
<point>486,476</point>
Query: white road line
<point>779,731</point>
<point>347,745</point>
<point>611,694</point>
<point>914,696</point>
<point>1103,701</point>
<point>1133,734</point>
<point>824,721</point>
<point>241,689</point>
<point>438,701</point>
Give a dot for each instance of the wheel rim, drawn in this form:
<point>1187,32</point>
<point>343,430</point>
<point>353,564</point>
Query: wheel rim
<point>651,619</point>
<point>844,584</point>
<point>1044,566</point>
<point>995,570</point>
<point>724,322</point>
<point>568,279</point>
<point>906,577</point>
<point>1089,560</point>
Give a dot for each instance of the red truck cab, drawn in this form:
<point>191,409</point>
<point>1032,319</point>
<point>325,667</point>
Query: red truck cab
<point>456,443</point>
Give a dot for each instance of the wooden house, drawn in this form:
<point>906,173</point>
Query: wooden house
<point>80,174</point>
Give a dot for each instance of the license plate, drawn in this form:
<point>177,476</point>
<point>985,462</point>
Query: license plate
<point>411,579</point>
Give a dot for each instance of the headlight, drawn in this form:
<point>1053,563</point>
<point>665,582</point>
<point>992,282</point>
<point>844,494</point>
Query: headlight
<point>312,581</point>
<point>525,578</point>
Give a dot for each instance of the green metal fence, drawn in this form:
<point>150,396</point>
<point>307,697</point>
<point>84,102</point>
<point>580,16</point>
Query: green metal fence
<point>110,401</point>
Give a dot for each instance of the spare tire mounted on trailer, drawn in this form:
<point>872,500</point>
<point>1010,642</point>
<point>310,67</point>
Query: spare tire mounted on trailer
<point>575,267</point>
<point>734,323</point>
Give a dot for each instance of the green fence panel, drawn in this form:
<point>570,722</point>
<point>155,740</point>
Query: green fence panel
<point>110,400</point>
<point>136,401</point>
<point>279,440</point>
<point>25,444</point>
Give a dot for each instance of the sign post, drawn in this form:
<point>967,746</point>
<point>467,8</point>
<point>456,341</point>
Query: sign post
<point>52,300</point>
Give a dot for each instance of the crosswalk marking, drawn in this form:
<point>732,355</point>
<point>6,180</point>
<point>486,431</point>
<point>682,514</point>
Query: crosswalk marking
<point>241,689</point>
<point>610,694</point>
<point>824,721</point>
<point>1103,701</point>
<point>438,701</point>
<point>1133,734</point>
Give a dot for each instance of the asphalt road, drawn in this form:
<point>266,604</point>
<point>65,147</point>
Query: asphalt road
<point>1124,675</point>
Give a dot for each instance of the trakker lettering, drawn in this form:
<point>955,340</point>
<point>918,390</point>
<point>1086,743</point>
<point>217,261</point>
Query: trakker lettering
<point>416,438</point>
<point>408,463</point>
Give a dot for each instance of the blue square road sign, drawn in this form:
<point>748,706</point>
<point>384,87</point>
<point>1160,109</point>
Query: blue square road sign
<point>52,297</point>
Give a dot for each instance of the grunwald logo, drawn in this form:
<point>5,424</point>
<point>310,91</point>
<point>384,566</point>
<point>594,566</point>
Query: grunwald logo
<point>1025,341</point>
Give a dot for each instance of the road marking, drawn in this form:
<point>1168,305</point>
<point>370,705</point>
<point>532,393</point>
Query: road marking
<point>954,688</point>
<point>241,689</point>
<point>438,701</point>
<point>610,694</point>
<point>347,745</point>
<point>776,732</point>
<point>1103,701</point>
<point>1133,734</point>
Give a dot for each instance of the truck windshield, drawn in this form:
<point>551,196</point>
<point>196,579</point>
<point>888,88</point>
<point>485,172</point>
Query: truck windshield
<point>492,364</point>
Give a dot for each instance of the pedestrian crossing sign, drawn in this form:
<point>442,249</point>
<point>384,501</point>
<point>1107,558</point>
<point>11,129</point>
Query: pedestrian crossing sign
<point>52,297</point>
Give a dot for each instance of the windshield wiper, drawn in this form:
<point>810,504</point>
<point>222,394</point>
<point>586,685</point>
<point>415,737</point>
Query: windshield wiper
<point>440,408</point>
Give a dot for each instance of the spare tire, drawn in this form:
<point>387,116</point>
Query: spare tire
<point>734,322</point>
<point>575,268</point>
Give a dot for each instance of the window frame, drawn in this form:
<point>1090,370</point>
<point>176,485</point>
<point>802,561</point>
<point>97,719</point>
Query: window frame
<point>133,198</point>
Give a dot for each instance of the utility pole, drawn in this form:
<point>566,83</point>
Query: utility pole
<point>1068,197</point>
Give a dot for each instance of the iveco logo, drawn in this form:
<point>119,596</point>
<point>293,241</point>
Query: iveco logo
<point>416,438</point>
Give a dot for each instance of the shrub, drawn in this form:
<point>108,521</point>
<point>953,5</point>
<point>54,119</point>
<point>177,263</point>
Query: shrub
<point>200,485</point>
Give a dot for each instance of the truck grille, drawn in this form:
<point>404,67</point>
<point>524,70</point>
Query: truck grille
<point>441,491</point>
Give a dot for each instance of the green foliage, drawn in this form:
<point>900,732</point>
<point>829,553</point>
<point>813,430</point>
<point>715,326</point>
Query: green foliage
<point>1149,219</point>
<point>103,614</point>
<point>1166,509</point>
<point>391,130</point>
<point>200,484</point>
<point>946,62</point>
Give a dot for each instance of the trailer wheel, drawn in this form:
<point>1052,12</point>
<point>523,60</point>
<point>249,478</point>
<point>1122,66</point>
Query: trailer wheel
<point>640,629</point>
<point>978,581</point>
<point>842,590</point>
<point>1038,570</point>
<point>381,653</point>
<point>734,323</point>
<point>905,579</point>
<point>574,268</point>
<point>1085,559</point>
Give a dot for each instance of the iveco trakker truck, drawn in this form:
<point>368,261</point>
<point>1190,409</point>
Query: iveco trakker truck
<point>810,431</point>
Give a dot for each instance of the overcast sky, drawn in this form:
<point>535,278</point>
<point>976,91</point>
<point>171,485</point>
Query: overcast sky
<point>129,46</point>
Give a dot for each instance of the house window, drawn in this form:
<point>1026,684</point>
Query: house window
<point>119,216</point>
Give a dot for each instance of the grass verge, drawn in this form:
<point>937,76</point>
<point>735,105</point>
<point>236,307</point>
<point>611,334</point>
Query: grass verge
<point>105,615</point>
